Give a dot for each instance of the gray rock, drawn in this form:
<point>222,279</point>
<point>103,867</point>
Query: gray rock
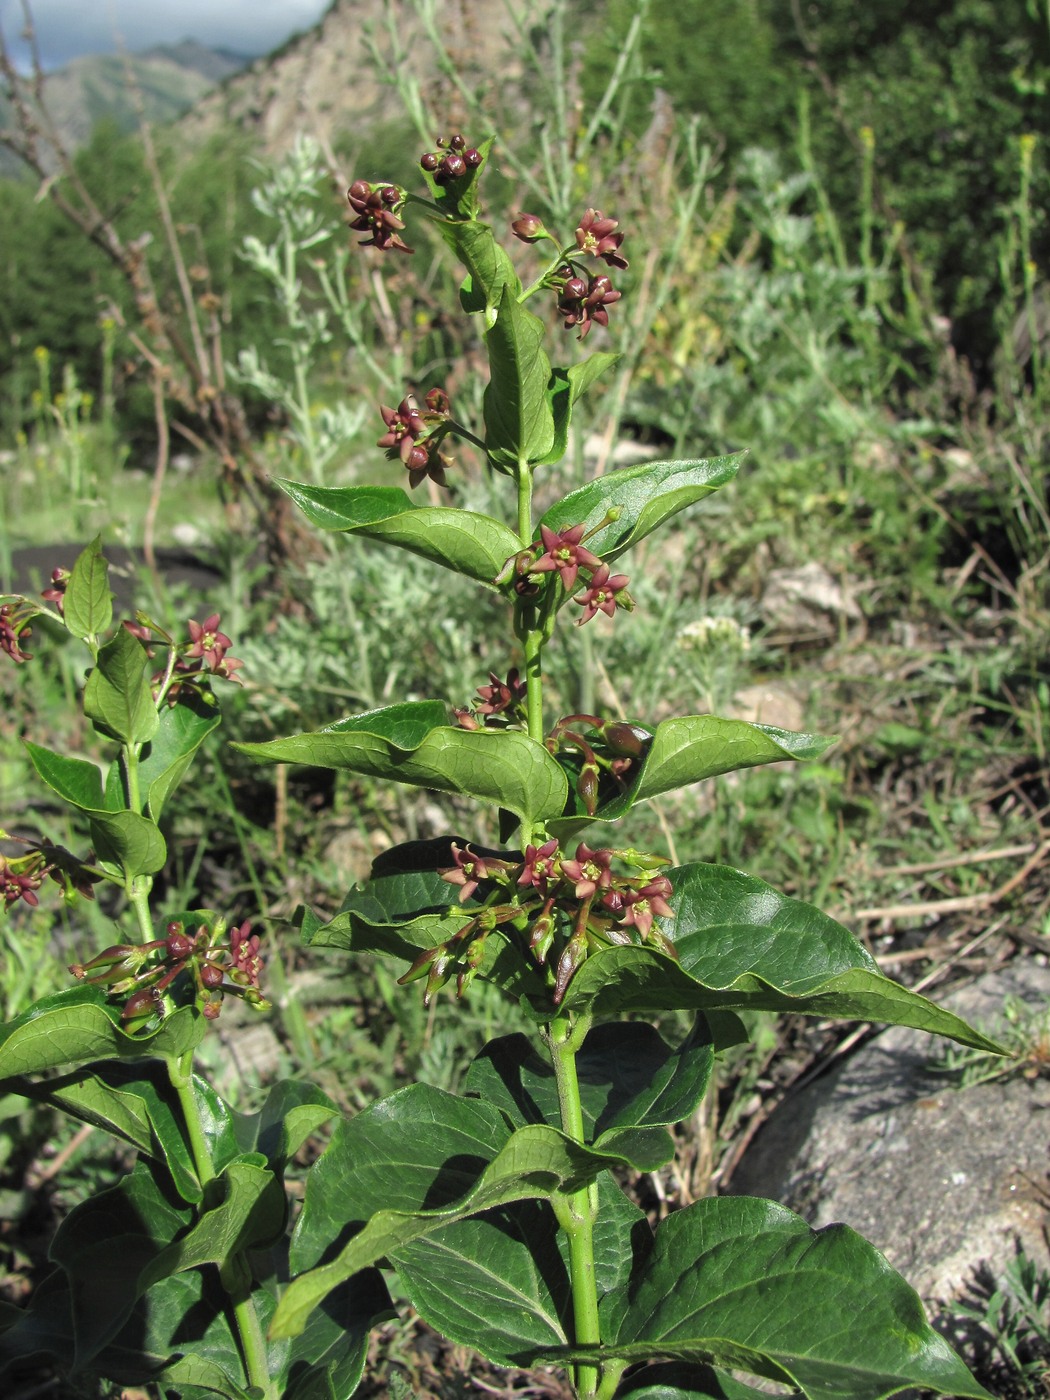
<point>942,1180</point>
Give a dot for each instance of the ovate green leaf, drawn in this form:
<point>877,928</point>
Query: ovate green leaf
<point>88,603</point>
<point>462,540</point>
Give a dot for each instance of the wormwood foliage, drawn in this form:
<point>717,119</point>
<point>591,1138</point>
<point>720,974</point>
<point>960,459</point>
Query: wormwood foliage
<point>498,1209</point>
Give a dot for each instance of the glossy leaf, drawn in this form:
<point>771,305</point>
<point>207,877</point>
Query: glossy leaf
<point>243,1207</point>
<point>107,1244</point>
<point>676,1381</point>
<point>412,743</point>
<point>741,945</point>
<point>88,603</point>
<point>462,540</point>
<point>628,1076</point>
<point>746,1284</point>
<point>76,781</point>
<point>293,1109</point>
<point>645,497</point>
<point>403,907</point>
<point>690,749</point>
<point>489,269</point>
<point>563,390</point>
<point>421,1160</point>
<point>80,1025</point>
<point>117,697</point>
<point>519,423</point>
<point>182,729</point>
<point>133,1100</point>
<point>123,838</point>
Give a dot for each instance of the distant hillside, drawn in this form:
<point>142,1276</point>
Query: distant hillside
<point>325,83</point>
<point>168,79</point>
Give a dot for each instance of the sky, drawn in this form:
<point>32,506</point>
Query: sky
<point>66,29</point>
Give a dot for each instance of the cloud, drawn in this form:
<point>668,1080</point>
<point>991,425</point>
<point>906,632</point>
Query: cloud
<point>67,28</point>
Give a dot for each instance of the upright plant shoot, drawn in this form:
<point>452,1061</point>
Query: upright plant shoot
<point>499,1210</point>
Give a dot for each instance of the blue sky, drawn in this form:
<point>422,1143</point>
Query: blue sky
<point>67,28</point>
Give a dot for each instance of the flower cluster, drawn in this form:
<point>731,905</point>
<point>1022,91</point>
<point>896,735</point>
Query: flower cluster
<point>205,654</point>
<point>451,161</point>
<point>563,552</point>
<point>145,973</point>
<point>583,303</point>
<point>377,208</point>
<point>416,436</point>
<point>21,878</point>
<point>14,630</point>
<point>608,754</point>
<point>560,909</point>
<point>499,705</point>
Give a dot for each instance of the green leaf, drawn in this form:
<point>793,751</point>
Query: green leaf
<point>462,540</point>
<point>409,743</point>
<point>182,729</point>
<point>243,1207</point>
<point>132,1100</point>
<point>680,1382</point>
<point>564,388</point>
<point>129,840</point>
<point>489,268</point>
<point>293,1109</point>
<point>645,497</point>
<point>88,604</point>
<point>628,1076</point>
<point>421,1160</point>
<point>106,1245</point>
<point>76,781</point>
<point>746,1284</point>
<point>741,945</point>
<point>689,749</point>
<point>117,696</point>
<point>80,1025</point>
<point>519,424</point>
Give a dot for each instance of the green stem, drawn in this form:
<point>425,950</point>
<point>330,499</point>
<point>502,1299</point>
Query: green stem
<point>235,1274</point>
<point>579,1210</point>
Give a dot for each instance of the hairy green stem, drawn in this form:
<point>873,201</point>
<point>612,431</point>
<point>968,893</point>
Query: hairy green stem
<point>580,1209</point>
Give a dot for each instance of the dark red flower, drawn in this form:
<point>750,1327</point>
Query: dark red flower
<point>641,905</point>
<point>207,642</point>
<point>374,206</point>
<point>590,870</point>
<point>595,235</point>
<point>581,303</point>
<point>541,866</point>
<point>600,595</point>
<point>469,869</point>
<point>564,552</point>
<point>13,632</point>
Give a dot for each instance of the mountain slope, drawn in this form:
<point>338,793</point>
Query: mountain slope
<point>326,82</point>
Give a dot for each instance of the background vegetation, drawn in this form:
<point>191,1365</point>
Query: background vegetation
<point>837,224</point>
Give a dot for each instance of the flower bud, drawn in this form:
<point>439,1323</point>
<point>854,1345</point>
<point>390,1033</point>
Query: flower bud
<point>454,167</point>
<point>360,189</point>
<point>177,944</point>
<point>211,976</point>
<point>430,161</point>
<point>529,228</point>
<point>472,157</point>
<point>457,142</point>
<point>140,1008</point>
<point>626,740</point>
<point>587,787</point>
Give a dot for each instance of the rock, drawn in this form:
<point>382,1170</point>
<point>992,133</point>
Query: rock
<point>808,602</point>
<point>944,1181</point>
